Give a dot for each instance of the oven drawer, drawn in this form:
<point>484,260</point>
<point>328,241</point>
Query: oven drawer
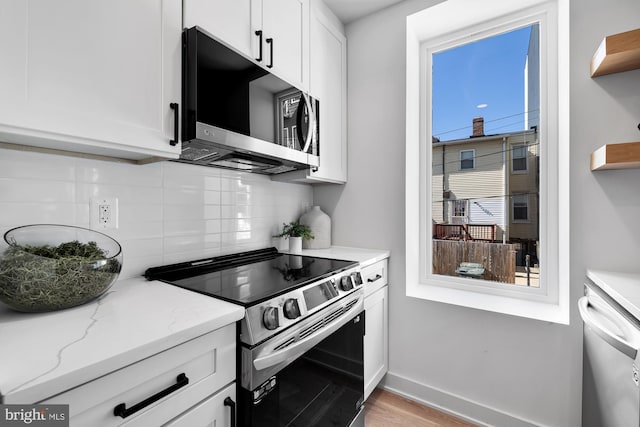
<point>374,276</point>
<point>207,362</point>
<point>213,411</point>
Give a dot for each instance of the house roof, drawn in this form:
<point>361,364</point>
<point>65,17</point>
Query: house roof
<point>485,138</point>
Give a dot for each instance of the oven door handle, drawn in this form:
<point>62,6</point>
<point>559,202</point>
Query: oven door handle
<point>297,349</point>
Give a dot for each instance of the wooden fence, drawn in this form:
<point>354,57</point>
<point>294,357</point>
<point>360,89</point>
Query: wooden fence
<point>498,259</point>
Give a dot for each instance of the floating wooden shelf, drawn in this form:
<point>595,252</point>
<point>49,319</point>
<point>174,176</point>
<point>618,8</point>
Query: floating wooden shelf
<point>617,53</point>
<point>616,156</point>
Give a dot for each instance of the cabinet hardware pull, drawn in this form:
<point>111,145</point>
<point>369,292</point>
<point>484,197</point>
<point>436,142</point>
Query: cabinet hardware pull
<point>259,34</point>
<point>174,107</point>
<point>229,402</point>
<point>122,411</point>
<point>378,277</point>
<point>270,43</point>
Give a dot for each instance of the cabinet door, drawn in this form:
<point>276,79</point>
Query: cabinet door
<point>89,76</point>
<point>376,340</point>
<point>328,83</point>
<point>229,21</point>
<point>286,24</point>
<point>213,411</point>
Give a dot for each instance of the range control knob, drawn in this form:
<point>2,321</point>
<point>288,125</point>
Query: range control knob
<point>270,318</point>
<point>291,308</point>
<point>346,284</point>
<point>357,278</point>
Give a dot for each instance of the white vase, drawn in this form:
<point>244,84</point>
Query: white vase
<point>295,245</point>
<point>320,225</point>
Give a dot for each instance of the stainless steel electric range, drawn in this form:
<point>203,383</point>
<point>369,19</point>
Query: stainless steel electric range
<point>300,343</point>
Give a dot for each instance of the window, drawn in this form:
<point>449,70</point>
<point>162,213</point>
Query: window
<point>459,208</point>
<point>519,203</point>
<point>467,159</point>
<point>520,207</point>
<point>519,158</point>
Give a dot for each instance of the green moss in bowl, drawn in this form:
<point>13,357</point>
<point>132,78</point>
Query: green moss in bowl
<point>53,267</point>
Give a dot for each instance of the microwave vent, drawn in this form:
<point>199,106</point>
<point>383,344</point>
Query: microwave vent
<point>198,154</point>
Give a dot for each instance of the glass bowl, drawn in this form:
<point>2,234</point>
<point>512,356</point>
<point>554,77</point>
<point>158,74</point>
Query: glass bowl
<point>50,267</point>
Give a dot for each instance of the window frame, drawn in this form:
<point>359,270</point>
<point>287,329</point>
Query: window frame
<point>525,198</point>
<point>525,147</point>
<point>551,301</point>
<point>473,159</point>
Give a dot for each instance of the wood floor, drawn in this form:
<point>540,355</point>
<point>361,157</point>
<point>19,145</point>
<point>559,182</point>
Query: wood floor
<point>386,409</point>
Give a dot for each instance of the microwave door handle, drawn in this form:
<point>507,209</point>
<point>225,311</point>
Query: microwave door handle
<point>311,115</point>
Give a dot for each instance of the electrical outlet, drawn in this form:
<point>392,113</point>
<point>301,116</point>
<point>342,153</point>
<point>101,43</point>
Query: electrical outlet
<point>104,213</point>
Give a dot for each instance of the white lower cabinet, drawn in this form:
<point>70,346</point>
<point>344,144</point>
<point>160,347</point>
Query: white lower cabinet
<point>215,411</point>
<point>164,388</point>
<point>376,339</point>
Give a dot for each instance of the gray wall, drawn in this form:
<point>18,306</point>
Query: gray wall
<point>494,368</point>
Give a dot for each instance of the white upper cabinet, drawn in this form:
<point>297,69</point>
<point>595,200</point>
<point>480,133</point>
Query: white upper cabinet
<point>228,20</point>
<point>275,33</point>
<point>328,83</point>
<point>91,77</point>
<point>285,38</point>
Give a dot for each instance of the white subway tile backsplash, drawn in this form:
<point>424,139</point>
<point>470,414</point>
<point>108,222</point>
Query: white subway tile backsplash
<point>19,165</point>
<point>168,212</point>
<point>188,227</point>
<point>43,191</point>
<point>113,173</point>
<point>125,193</point>
<point>16,214</point>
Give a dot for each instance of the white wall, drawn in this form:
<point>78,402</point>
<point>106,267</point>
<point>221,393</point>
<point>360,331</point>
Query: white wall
<point>497,369</point>
<point>169,212</point>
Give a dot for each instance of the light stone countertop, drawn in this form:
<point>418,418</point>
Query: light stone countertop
<point>45,354</point>
<point>364,256</point>
<point>624,288</point>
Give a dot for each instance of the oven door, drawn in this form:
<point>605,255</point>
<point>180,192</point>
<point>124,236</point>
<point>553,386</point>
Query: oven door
<point>323,386</point>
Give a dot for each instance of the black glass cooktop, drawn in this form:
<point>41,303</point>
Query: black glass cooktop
<point>248,278</point>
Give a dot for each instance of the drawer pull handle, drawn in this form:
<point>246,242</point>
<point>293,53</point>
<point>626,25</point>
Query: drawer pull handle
<point>229,402</point>
<point>122,411</point>
<point>378,277</point>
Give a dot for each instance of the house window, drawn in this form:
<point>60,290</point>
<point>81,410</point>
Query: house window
<point>541,121</point>
<point>460,208</point>
<point>520,207</point>
<point>519,158</point>
<point>467,159</point>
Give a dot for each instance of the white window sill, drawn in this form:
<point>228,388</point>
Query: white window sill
<point>556,313</point>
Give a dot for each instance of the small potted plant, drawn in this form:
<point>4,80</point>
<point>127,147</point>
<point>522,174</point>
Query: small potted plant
<point>295,232</point>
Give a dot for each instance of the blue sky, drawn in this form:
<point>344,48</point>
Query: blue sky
<point>487,72</point>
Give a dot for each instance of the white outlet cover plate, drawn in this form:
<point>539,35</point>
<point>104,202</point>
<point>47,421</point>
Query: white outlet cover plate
<point>94,212</point>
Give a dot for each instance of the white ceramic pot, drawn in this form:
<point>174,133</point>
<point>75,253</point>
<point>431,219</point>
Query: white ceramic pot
<point>320,225</point>
<point>295,245</point>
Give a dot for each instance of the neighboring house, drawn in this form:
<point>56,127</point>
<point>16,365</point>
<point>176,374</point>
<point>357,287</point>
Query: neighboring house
<point>489,180</point>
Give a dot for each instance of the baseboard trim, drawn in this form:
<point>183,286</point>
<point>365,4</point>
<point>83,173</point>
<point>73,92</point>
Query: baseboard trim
<point>451,404</point>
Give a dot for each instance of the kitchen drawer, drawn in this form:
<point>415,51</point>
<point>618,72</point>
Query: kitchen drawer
<point>374,276</point>
<point>210,412</point>
<point>207,361</point>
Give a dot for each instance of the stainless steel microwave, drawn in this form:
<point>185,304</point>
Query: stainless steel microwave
<point>236,114</point>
